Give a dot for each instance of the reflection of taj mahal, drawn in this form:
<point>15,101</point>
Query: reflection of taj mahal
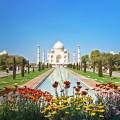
<point>58,55</point>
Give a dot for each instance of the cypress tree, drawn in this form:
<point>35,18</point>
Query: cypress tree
<point>28,67</point>
<point>100,74</point>
<point>33,69</point>
<point>110,67</point>
<point>81,66</point>
<point>14,68</point>
<point>47,65</point>
<point>85,66</point>
<point>23,67</point>
<point>39,65</point>
<point>77,66</point>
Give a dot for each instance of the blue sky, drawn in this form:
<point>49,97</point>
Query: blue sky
<point>95,24</point>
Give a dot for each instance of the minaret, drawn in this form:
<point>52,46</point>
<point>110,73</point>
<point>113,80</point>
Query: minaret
<point>43,56</point>
<point>78,55</point>
<point>38,54</point>
<point>69,61</point>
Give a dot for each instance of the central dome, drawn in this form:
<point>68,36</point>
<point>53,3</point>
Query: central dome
<point>58,45</point>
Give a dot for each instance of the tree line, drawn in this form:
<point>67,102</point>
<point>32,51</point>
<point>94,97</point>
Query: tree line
<point>8,62</point>
<point>98,62</point>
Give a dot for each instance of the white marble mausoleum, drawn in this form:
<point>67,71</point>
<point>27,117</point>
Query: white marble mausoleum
<point>58,55</point>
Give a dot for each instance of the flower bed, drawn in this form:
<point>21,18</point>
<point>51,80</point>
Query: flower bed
<point>30,104</point>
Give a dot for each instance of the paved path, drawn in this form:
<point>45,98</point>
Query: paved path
<point>34,83</point>
<point>4,74</point>
<point>87,81</point>
<point>114,73</point>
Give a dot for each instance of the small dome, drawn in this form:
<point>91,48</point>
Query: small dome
<point>4,52</point>
<point>58,45</point>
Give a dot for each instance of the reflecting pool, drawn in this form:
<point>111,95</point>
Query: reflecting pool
<point>61,74</point>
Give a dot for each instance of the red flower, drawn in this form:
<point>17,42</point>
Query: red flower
<point>84,92</point>
<point>67,86</point>
<point>77,89</point>
<point>67,82</point>
<point>78,83</point>
<point>55,84</point>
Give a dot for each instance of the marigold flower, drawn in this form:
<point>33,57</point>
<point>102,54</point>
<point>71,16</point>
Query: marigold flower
<point>101,110</point>
<point>93,114</point>
<point>77,109</point>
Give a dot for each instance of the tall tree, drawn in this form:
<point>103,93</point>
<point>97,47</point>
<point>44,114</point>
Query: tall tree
<point>100,73</point>
<point>85,59</point>
<point>39,66</point>
<point>28,65</point>
<point>23,67</point>
<point>47,65</point>
<point>108,61</point>
<point>95,54</point>
<point>14,68</point>
<point>110,66</point>
<point>77,66</point>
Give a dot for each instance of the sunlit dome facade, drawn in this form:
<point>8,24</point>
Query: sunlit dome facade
<point>58,46</point>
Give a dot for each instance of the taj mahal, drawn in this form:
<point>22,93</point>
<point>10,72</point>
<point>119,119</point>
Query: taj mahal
<point>58,55</point>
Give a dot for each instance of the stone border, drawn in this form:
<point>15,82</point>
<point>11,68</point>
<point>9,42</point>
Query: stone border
<point>89,82</point>
<point>37,81</point>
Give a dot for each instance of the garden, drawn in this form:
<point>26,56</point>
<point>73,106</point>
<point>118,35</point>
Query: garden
<point>32,104</point>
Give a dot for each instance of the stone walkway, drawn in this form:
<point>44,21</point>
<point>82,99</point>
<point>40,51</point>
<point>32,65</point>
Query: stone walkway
<point>114,73</point>
<point>4,74</point>
<point>87,81</point>
<point>34,83</point>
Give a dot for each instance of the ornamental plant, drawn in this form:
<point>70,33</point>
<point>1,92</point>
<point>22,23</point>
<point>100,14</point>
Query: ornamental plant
<point>24,104</point>
<point>109,95</point>
<point>76,107</point>
<point>31,104</point>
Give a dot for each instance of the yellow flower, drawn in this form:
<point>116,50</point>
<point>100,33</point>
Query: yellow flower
<point>54,113</point>
<point>85,107</point>
<point>93,114</point>
<point>88,109</point>
<point>47,109</point>
<point>94,111</point>
<point>91,105</point>
<point>101,107</point>
<point>56,101</point>
<point>91,99</point>
<point>101,110</point>
<point>65,101</point>
<point>77,108</point>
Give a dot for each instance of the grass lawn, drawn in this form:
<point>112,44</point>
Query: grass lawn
<point>94,76</point>
<point>8,81</point>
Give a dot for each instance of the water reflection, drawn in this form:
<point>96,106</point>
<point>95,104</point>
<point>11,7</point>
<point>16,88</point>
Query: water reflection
<point>61,74</point>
